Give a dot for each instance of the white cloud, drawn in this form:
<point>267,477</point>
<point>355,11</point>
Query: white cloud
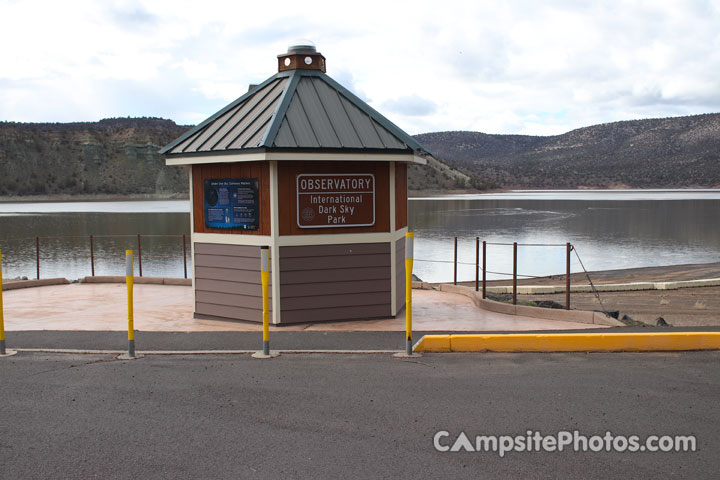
<point>499,67</point>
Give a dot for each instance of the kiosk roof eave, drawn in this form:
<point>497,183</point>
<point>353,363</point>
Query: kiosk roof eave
<point>233,157</point>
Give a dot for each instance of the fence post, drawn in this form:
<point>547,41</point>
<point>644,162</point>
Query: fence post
<point>129,281</point>
<point>455,264</point>
<point>139,255</point>
<point>92,256</point>
<point>477,263</point>
<point>568,248</point>
<point>37,256</point>
<point>265,280</point>
<point>514,273</point>
<point>2,318</point>
<point>184,256</point>
<point>484,269</point>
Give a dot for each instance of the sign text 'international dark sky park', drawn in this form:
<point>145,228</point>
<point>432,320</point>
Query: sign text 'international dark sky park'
<point>335,200</point>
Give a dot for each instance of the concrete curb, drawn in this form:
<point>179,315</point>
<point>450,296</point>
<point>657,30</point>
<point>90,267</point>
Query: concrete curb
<point>76,351</point>
<point>138,280</point>
<point>577,316</point>
<point>43,282</point>
<point>571,342</point>
<point>609,287</point>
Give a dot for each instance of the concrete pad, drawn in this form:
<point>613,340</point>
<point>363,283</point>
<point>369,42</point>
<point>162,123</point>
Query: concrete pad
<point>168,308</point>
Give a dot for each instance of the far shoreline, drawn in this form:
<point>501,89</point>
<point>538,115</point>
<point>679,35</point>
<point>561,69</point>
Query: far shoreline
<point>118,197</point>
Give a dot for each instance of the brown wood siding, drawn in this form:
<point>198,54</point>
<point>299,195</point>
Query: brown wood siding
<point>287,195</point>
<point>227,282</point>
<point>343,313</point>
<point>401,196</point>
<point>335,282</point>
<point>400,270</point>
<point>259,170</point>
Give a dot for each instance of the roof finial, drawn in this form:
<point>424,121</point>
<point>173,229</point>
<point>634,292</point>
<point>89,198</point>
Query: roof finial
<point>301,55</point>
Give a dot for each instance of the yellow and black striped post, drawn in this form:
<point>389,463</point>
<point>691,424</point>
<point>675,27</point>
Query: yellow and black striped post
<point>129,280</point>
<point>409,238</point>
<point>265,281</point>
<point>2,318</point>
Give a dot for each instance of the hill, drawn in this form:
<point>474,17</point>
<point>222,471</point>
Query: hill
<point>656,153</point>
<point>118,156</point>
<point>109,157</point>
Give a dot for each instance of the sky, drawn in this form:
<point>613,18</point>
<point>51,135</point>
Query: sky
<point>514,67</point>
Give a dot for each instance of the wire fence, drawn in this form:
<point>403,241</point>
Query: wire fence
<point>136,241</point>
<point>44,252</point>
<point>481,270</point>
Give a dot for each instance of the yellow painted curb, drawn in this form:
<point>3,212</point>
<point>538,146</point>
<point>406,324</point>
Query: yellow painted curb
<point>571,342</point>
<point>433,343</point>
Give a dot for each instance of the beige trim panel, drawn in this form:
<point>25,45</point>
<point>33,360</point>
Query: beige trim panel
<point>302,157</point>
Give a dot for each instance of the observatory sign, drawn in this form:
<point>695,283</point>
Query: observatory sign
<point>335,200</point>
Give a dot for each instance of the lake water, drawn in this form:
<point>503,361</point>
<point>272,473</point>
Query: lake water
<point>609,229</point>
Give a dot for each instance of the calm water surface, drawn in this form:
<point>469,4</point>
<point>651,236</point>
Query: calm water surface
<point>610,229</point>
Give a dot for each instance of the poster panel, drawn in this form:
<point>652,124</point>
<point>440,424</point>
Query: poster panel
<point>232,203</point>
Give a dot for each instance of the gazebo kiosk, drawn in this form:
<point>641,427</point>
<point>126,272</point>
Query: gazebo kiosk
<point>302,165</point>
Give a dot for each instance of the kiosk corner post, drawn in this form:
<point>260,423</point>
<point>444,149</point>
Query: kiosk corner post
<point>2,318</point>
<point>129,280</point>
<point>409,238</point>
<point>265,279</point>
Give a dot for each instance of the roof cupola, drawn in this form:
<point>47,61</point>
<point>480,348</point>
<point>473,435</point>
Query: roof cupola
<point>301,55</point>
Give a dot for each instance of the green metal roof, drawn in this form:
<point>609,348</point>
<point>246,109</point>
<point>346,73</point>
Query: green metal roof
<point>296,109</point>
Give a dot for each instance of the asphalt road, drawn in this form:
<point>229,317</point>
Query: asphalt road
<point>303,340</point>
<point>349,416</point>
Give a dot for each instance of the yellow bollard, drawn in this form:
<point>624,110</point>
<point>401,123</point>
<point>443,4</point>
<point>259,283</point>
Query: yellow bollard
<point>129,280</point>
<point>409,238</point>
<point>265,280</point>
<point>2,318</point>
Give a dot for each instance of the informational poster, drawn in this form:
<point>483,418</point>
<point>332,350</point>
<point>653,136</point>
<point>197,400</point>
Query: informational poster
<point>232,203</point>
<point>335,200</point>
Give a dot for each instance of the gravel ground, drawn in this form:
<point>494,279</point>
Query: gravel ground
<point>682,307</point>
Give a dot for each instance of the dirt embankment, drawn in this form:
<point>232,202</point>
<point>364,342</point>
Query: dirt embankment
<point>681,307</point>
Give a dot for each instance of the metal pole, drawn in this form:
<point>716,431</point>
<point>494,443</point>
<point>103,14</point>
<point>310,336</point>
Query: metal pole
<point>455,264</point>
<point>265,279</point>
<point>129,280</point>
<point>184,256</point>
<point>568,248</point>
<point>37,256</point>
<point>484,268</point>
<point>514,273</point>
<point>139,256</point>
<point>92,256</point>
<point>2,318</point>
<point>409,239</point>
<point>477,263</point>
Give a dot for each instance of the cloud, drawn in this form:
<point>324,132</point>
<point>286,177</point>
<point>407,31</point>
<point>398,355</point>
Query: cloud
<point>131,15</point>
<point>497,67</point>
<point>412,106</point>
